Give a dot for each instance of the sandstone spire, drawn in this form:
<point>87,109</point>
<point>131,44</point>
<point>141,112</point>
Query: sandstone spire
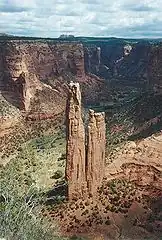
<point>95,150</point>
<point>75,164</point>
<point>84,168</point>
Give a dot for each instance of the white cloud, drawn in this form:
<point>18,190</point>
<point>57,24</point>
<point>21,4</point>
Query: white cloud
<point>50,18</point>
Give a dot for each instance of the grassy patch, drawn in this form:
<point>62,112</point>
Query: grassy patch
<point>20,209</point>
<point>24,180</point>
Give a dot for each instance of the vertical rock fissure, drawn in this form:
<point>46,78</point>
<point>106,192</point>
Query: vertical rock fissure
<point>85,154</point>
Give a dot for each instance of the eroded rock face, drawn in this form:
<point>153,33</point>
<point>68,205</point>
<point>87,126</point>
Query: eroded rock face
<point>75,164</point>
<point>139,162</point>
<point>47,68</point>
<point>143,175</point>
<point>85,163</point>
<point>154,69</point>
<point>95,150</point>
<point>43,66</point>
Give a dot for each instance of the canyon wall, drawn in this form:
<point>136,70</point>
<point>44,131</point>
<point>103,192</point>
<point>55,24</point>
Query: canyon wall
<point>85,161</point>
<point>21,76</point>
<point>34,75</point>
<point>135,62</point>
<point>118,59</point>
<point>154,68</point>
<point>42,66</point>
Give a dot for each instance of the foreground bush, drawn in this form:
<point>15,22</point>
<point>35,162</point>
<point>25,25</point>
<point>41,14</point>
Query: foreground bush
<point>20,213</point>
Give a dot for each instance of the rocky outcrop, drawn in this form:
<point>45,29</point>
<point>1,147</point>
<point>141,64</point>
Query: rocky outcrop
<point>33,69</point>
<point>143,175</point>
<point>92,59</point>
<point>95,150</point>
<point>85,163</point>
<point>138,162</point>
<point>131,62</point>
<point>75,163</point>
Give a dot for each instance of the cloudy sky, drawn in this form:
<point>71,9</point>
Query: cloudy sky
<point>51,18</point>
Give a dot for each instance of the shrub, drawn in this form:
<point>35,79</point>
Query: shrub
<point>107,222</point>
<point>57,174</point>
<point>63,157</point>
<point>20,215</point>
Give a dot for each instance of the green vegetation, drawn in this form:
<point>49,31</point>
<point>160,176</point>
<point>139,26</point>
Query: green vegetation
<point>21,202</point>
<point>57,174</point>
<point>25,183</point>
<point>20,217</point>
<point>24,180</point>
<point>124,115</point>
<point>111,193</point>
<point>7,109</point>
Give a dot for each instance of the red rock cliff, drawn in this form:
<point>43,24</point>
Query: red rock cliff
<point>45,67</point>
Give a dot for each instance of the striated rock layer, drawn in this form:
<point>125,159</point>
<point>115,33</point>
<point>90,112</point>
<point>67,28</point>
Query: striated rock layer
<point>41,68</point>
<point>34,76</point>
<point>85,164</point>
<point>139,162</point>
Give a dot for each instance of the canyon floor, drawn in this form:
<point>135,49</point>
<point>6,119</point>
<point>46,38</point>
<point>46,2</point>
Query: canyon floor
<point>128,204</point>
